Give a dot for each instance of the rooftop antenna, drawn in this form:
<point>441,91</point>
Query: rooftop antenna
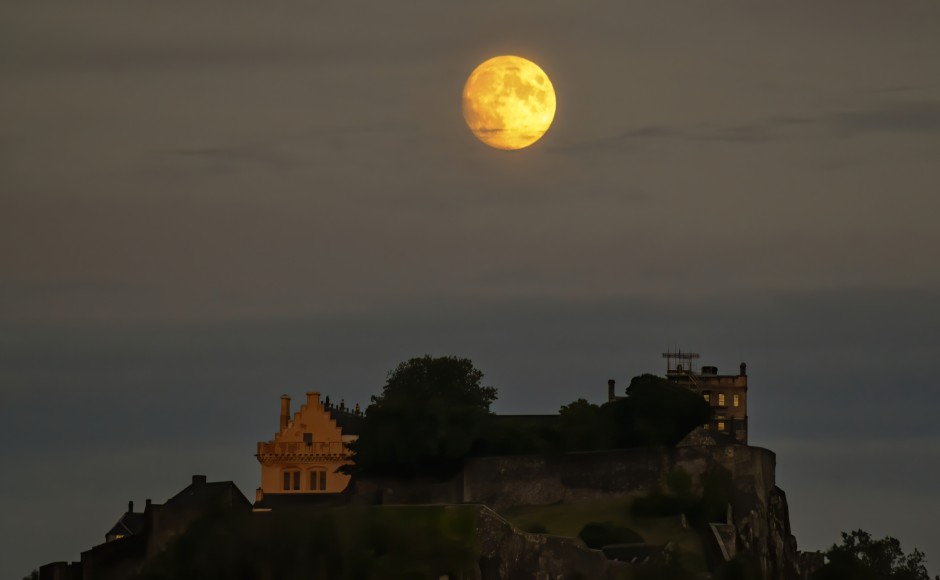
<point>680,363</point>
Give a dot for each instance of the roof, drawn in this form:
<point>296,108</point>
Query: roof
<point>349,423</point>
<point>130,523</point>
<point>200,494</point>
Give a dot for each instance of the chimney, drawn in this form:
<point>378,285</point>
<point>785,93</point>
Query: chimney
<point>130,507</point>
<point>313,398</point>
<point>199,480</point>
<point>610,389</point>
<point>743,369</point>
<point>285,411</point>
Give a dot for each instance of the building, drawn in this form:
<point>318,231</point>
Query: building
<point>130,523</point>
<point>307,450</point>
<point>727,394</point>
<point>138,536</point>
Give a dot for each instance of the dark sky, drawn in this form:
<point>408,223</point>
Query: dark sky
<point>204,205</point>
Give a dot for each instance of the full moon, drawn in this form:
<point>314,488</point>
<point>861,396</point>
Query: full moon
<point>508,102</point>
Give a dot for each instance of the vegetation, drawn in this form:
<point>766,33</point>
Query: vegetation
<point>599,534</point>
<point>387,542</point>
<point>571,519</point>
<point>430,414</point>
<point>678,498</point>
<point>654,412</point>
<point>433,413</point>
<point>34,575</point>
<point>860,557</point>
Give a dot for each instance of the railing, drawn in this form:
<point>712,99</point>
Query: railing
<point>301,448</point>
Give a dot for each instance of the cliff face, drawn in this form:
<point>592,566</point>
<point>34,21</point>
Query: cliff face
<point>764,530</point>
<point>758,511</point>
<point>507,553</point>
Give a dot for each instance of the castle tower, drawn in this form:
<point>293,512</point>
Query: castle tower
<point>727,394</point>
<point>307,450</point>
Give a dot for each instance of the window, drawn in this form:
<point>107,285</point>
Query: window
<point>721,425</point>
<point>707,397</point>
<point>291,480</point>
<point>707,426</point>
<point>318,480</point>
<point>308,439</point>
<point>737,400</point>
<point>721,399</point>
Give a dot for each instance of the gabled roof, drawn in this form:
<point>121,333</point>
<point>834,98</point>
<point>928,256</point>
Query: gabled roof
<point>200,494</point>
<point>130,523</point>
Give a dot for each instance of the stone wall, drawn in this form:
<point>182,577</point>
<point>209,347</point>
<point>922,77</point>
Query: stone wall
<point>504,482</point>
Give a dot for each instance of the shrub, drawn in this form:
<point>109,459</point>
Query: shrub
<point>599,534</point>
<point>536,528</point>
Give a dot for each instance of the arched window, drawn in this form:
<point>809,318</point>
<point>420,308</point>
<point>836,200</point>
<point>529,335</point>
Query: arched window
<point>318,479</point>
<point>291,480</point>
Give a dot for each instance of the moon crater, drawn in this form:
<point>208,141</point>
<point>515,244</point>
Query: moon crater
<point>508,102</point>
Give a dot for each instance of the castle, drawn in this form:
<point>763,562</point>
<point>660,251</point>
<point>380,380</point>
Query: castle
<point>299,466</point>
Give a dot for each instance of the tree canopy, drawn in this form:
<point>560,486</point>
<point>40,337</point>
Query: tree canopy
<point>654,412</point>
<point>430,414</point>
<point>860,557</point>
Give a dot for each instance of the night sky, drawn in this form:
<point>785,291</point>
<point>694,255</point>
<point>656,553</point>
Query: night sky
<point>204,205</point>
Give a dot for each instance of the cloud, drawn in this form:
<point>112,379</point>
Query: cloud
<point>919,117</point>
<point>893,117</point>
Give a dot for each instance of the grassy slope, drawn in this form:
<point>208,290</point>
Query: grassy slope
<point>568,519</point>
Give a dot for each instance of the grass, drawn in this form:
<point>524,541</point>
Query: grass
<point>569,519</point>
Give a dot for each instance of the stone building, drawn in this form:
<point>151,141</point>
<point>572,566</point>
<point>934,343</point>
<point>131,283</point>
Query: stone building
<point>307,450</point>
<point>727,394</point>
<point>138,536</point>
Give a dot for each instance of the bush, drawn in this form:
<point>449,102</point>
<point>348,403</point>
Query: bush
<point>536,528</point>
<point>596,535</point>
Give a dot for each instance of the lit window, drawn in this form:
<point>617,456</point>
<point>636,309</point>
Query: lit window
<point>707,426</point>
<point>707,397</point>
<point>721,425</point>
<point>737,400</point>
<point>721,399</point>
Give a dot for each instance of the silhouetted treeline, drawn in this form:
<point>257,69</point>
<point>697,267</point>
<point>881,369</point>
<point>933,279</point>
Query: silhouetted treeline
<point>434,413</point>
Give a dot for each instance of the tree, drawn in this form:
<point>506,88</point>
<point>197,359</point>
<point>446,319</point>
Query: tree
<point>664,412</point>
<point>430,415</point>
<point>654,412</point>
<point>859,557</point>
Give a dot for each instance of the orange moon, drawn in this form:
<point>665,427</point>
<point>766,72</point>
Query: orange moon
<point>508,102</point>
